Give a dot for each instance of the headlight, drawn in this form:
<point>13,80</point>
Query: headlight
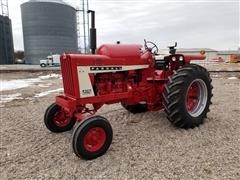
<point>174,58</point>
<point>181,58</point>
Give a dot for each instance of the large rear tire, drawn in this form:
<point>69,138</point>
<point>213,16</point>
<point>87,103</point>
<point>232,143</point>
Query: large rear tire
<point>187,96</point>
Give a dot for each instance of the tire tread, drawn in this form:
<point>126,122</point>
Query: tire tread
<point>172,93</point>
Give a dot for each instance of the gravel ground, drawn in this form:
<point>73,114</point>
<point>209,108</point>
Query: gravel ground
<point>145,146</point>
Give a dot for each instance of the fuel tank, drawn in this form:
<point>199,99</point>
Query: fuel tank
<point>120,51</point>
<point>112,54</point>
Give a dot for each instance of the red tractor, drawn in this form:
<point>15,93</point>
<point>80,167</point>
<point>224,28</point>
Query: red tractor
<point>136,78</point>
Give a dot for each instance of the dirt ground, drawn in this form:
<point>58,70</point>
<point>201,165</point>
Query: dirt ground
<point>145,146</point>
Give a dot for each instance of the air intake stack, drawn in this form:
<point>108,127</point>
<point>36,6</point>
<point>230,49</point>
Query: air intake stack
<point>93,33</point>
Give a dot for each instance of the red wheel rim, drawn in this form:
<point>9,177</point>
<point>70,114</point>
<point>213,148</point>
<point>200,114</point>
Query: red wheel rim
<point>192,97</point>
<point>94,139</point>
<point>60,119</point>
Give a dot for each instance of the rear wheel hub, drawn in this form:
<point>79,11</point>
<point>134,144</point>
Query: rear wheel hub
<point>196,97</point>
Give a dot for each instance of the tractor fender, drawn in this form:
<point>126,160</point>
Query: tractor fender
<point>189,58</point>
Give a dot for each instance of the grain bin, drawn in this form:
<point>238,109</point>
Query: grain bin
<point>49,27</point>
<point>6,41</point>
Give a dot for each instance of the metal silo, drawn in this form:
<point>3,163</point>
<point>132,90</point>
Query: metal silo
<point>6,41</point>
<point>49,27</point>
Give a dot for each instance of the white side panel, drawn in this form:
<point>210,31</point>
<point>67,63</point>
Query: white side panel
<point>86,89</point>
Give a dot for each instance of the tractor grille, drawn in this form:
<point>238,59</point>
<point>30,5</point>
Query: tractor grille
<point>67,77</point>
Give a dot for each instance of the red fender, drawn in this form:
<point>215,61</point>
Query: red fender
<point>189,58</point>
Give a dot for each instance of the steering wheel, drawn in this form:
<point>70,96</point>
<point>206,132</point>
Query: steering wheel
<point>149,46</point>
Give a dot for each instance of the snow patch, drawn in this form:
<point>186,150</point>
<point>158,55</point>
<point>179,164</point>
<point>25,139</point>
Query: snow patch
<point>10,97</point>
<point>30,98</point>
<point>44,85</point>
<point>215,75</point>
<point>23,83</point>
<point>42,94</point>
<point>50,76</point>
<point>231,78</point>
<point>16,84</point>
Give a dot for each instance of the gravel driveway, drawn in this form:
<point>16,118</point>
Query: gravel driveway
<point>145,146</point>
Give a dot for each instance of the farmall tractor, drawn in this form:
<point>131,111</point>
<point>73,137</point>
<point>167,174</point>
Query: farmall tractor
<point>133,76</point>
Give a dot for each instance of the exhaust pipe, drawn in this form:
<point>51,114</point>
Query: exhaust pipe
<point>93,33</point>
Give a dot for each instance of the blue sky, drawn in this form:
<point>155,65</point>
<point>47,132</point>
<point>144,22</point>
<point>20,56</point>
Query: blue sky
<point>193,23</point>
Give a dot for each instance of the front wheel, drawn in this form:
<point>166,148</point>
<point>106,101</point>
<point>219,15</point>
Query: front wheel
<point>187,96</point>
<point>43,65</point>
<point>56,120</point>
<point>92,138</point>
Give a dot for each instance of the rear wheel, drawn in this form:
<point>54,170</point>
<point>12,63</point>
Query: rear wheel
<point>92,138</point>
<point>187,96</point>
<point>137,108</point>
<point>56,119</point>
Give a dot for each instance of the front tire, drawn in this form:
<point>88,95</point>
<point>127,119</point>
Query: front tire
<point>43,65</point>
<point>187,96</point>
<point>56,120</point>
<point>92,138</point>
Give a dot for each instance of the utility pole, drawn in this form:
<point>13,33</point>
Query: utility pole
<point>83,27</point>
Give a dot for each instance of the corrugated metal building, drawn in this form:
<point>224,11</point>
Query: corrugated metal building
<point>6,41</point>
<point>49,27</point>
